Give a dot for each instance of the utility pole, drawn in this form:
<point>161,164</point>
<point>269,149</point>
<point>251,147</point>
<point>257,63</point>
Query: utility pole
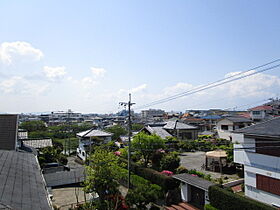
<point>129,104</point>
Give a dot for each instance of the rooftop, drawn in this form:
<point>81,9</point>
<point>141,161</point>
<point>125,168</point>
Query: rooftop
<point>158,130</point>
<point>93,133</point>
<point>194,180</point>
<point>238,119</point>
<point>178,125</point>
<point>260,108</point>
<point>22,185</point>
<point>37,143</point>
<point>269,128</point>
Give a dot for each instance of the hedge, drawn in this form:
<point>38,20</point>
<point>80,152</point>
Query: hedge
<point>166,182</point>
<point>209,207</point>
<point>225,200</point>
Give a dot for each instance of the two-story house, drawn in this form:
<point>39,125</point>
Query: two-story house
<point>258,149</point>
<point>227,125</point>
<point>89,138</point>
<point>261,112</point>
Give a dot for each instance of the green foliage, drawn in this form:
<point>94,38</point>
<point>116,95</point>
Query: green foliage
<point>153,176</point>
<point>136,127</point>
<point>170,162</point>
<point>142,192</point>
<point>36,125</point>
<point>102,174</point>
<point>147,145</point>
<point>50,155</point>
<point>225,200</point>
<point>181,170</point>
<point>39,134</point>
<point>195,172</point>
<point>209,207</point>
<point>117,131</point>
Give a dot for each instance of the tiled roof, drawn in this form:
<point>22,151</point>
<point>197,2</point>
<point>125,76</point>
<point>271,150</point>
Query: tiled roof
<point>21,182</point>
<point>178,125</point>
<point>269,128</point>
<point>158,130</point>
<point>260,108</point>
<point>237,119</point>
<point>194,180</point>
<point>37,143</point>
<point>92,133</point>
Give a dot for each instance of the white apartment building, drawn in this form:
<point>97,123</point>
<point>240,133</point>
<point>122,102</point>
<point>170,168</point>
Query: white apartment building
<point>258,149</point>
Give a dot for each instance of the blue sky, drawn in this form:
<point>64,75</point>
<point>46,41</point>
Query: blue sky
<point>87,55</point>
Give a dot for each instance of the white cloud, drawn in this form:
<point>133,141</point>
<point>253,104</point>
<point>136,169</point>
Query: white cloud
<point>11,51</point>
<point>54,73</point>
<point>88,82</point>
<point>137,89</point>
<point>18,85</point>
<point>98,72</point>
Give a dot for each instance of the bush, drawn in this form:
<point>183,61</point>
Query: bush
<point>167,183</point>
<point>181,170</point>
<point>170,161</point>
<point>209,207</point>
<point>225,200</point>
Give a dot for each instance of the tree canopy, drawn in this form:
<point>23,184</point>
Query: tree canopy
<point>36,125</point>
<point>117,131</point>
<point>147,145</point>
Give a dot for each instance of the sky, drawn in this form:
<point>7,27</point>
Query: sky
<point>89,55</point>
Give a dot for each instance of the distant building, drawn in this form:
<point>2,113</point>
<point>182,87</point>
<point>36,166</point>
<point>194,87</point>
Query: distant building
<point>229,124</point>
<point>261,113</point>
<point>150,113</point>
<point>89,138</point>
<point>55,118</point>
<point>258,149</point>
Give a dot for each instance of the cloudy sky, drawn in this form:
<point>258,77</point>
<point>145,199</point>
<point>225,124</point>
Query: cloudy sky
<point>88,55</point>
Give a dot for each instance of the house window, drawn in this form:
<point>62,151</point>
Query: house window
<point>83,153</point>
<point>256,112</point>
<point>268,184</point>
<point>224,127</point>
<point>268,147</point>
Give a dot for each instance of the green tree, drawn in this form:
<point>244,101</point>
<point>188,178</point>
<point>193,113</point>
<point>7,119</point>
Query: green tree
<point>33,126</point>
<point>117,131</point>
<point>147,145</point>
<point>136,127</point>
<point>102,174</point>
<point>170,162</point>
<point>50,155</point>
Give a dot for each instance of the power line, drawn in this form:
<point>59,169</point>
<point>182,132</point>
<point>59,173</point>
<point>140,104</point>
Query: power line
<point>214,84</point>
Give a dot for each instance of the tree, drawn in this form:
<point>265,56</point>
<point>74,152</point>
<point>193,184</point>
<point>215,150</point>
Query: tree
<point>50,155</point>
<point>147,145</point>
<point>102,174</point>
<point>36,125</point>
<point>136,127</point>
<point>117,131</point>
<point>170,161</point>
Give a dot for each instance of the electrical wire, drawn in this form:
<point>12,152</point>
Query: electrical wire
<point>214,84</point>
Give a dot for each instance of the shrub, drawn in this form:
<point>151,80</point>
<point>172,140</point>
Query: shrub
<point>181,170</point>
<point>167,183</point>
<point>225,200</point>
<point>209,207</point>
<point>170,161</point>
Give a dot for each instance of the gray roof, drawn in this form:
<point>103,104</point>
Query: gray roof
<point>237,119</point>
<point>93,132</point>
<point>21,182</point>
<point>64,177</point>
<point>158,130</point>
<point>194,180</point>
<point>37,143</point>
<point>170,125</point>
<point>269,128</point>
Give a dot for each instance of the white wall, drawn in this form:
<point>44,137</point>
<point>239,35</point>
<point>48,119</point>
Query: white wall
<point>262,196</point>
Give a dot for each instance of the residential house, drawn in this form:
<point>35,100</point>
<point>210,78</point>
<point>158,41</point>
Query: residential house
<point>172,128</point>
<point>258,149</point>
<point>22,185</point>
<point>226,125</point>
<point>89,138</point>
<point>261,113</point>
<point>194,190</point>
